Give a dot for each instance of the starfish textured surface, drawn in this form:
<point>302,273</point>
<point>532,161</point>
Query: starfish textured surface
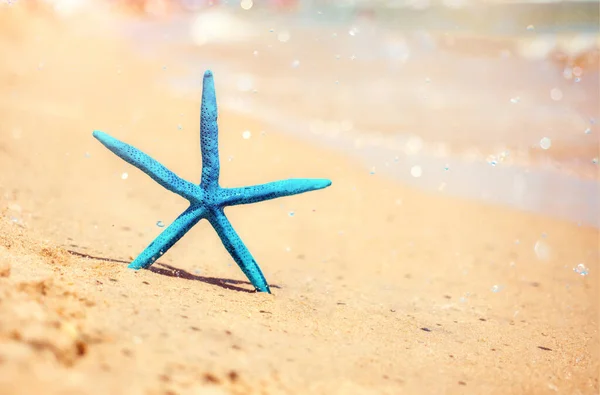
<point>208,199</point>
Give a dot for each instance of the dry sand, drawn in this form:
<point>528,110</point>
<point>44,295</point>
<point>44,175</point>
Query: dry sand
<point>377,288</point>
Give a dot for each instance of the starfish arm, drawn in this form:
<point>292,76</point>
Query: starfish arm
<point>145,163</point>
<point>235,246</point>
<point>272,190</point>
<point>168,237</point>
<point>209,133</point>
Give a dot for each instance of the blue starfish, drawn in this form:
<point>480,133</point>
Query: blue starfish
<point>208,199</point>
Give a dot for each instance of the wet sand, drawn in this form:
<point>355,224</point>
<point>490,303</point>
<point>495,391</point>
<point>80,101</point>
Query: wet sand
<point>378,287</point>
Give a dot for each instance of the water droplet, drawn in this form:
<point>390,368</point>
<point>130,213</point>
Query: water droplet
<point>581,270</point>
<point>87,155</point>
<point>530,27</point>
<point>124,176</point>
<point>246,4</point>
<point>556,94</point>
<point>230,158</point>
<point>287,249</point>
<point>179,127</point>
<point>496,288</point>
<point>515,100</point>
<point>295,63</point>
<point>346,125</point>
<point>245,82</point>
<point>542,250</point>
<point>337,82</point>
<point>427,80</point>
<point>587,131</point>
<point>352,57</point>
<point>545,143</point>
<point>372,170</point>
<point>291,213</point>
<point>413,145</point>
<point>447,167</point>
<point>164,67</point>
<point>337,57</point>
<point>595,161</point>
<point>353,31</point>
<point>255,53</point>
<point>416,171</point>
<point>246,134</point>
<point>283,36</point>
<point>160,224</point>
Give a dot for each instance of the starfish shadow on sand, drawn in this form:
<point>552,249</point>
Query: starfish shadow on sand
<point>208,199</point>
<point>170,271</point>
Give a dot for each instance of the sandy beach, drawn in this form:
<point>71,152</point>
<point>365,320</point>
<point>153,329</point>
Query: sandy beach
<point>378,287</point>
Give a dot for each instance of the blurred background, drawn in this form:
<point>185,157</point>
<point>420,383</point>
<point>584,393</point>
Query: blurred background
<point>490,100</point>
<point>455,252</point>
